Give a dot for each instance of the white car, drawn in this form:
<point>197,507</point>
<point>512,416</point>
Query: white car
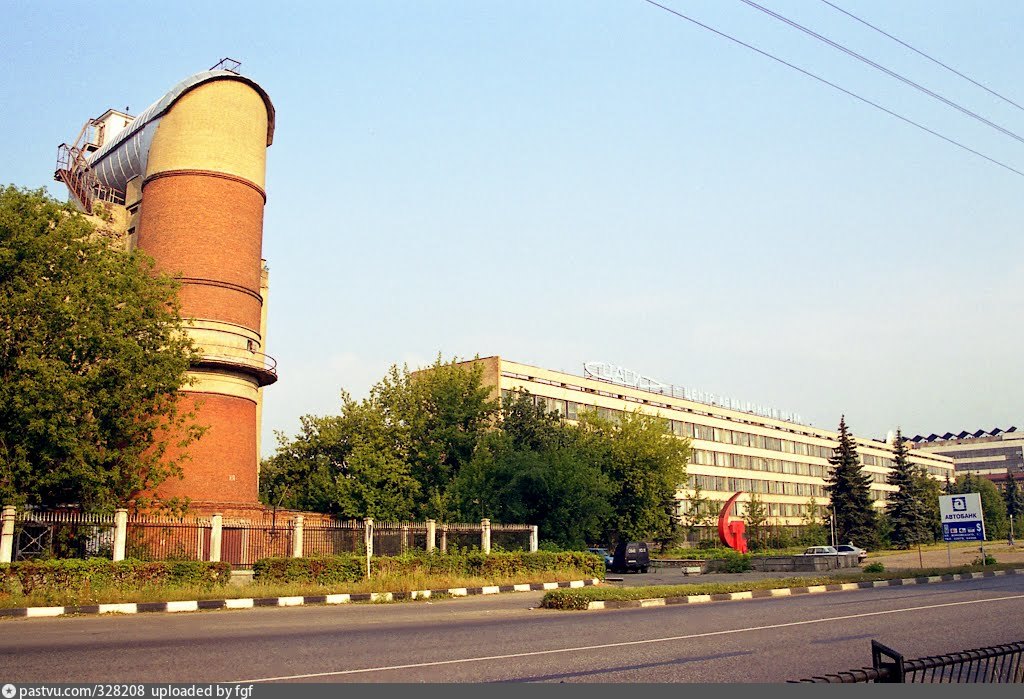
<point>851,550</point>
<point>820,551</point>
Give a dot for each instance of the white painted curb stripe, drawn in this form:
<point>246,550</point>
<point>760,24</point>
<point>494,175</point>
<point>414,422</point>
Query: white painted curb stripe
<point>124,608</point>
<point>381,597</point>
<point>816,588</point>
<point>654,602</point>
<point>290,601</point>
<point>550,586</point>
<point>245,603</point>
<point>576,583</point>
<point>698,598</point>
<point>742,595</point>
<point>909,581</point>
<point>781,592</point>
<point>851,586</point>
<point>457,591</point>
<point>521,588</point>
<point>190,606</point>
<point>338,599</point>
<point>45,611</point>
<point>596,605</point>
<point>490,590</point>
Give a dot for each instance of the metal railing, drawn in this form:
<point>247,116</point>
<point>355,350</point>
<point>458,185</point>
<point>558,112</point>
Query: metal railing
<point>167,539</point>
<point>994,664</point>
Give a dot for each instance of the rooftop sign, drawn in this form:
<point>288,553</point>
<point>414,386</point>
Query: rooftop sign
<point>621,376</point>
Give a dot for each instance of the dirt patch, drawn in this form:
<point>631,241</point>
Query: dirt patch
<point>957,556</point>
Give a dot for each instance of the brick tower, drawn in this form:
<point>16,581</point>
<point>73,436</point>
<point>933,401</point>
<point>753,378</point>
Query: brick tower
<point>189,174</point>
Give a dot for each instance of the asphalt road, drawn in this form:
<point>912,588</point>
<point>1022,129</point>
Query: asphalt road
<point>504,638</point>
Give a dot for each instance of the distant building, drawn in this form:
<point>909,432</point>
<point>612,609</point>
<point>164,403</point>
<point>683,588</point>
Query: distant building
<point>755,451</point>
<point>992,454</point>
<point>184,182</point>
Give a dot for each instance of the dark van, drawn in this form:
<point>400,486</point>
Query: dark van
<point>631,557</point>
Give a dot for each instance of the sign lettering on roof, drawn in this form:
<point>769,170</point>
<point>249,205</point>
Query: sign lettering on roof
<point>621,376</point>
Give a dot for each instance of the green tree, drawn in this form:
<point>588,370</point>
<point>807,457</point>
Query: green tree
<point>445,409</point>
<point>850,492</point>
<point>645,465</point>
<point>907,513</point>
<point>931,489</point>
<point>1014,501</point>
<point>1013,496</point>
<point>393,455</point>
<point>92,354</point>
<point>696,509</point>
<point>993,506</point>
<point>756,518</point>
<point>352,465</point>
<point>528,470</point>
<point>814,531</point>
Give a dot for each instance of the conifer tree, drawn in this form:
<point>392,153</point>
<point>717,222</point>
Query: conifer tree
<point>907,510</point>
<point>1013,496</point>
<point>849,490</point>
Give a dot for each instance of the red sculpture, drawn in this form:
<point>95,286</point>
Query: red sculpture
<point>731,533</point>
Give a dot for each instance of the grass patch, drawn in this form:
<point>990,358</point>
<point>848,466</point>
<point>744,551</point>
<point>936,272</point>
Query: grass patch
<point>395,583</point>
<point>579,598</point>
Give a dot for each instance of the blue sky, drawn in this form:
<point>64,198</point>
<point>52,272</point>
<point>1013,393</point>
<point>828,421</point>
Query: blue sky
<point>558,182</point>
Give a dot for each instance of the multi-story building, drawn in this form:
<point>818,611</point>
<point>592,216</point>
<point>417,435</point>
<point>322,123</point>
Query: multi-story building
<point>184,182</point>
<point>992,454</point>
<point>734,447</point>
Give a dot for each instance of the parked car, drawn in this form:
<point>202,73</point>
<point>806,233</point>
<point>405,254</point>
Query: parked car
<point>631,557</point>
<point>820,551</point>
<point>851,550</point>
<point>604,553</point>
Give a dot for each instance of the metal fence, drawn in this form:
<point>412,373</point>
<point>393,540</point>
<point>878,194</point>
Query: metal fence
<point>32,534</point>
<point>62,535</point>
<point>167,539</point>
<point>995,664</point>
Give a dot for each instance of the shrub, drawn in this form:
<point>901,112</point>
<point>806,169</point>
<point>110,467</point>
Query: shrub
<point>327,570</point>
<point>75,576</point>
<point>986,561</point>
<point>734,563</point>
<point>875,567</point>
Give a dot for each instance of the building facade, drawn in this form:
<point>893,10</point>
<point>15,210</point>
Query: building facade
<point>184,182</point>
<point>784,462</point>
<point>992,454</point>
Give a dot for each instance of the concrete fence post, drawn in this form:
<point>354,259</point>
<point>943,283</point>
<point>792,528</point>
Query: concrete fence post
<point>431,533</point>
<point>485,535</point>
<point>7,535</point>
<point>444,538</point>
<point>120,533</point>
<point>405,537</point>
<point>533,538</point>
<point>216,530</point>
<point>297,537</point>
<point>368,541</point>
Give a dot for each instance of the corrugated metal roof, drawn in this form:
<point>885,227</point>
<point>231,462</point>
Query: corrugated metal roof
<point>125,157</point>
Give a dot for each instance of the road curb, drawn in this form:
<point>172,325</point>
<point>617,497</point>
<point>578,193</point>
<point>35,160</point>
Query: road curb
<point>789,591</point>
<point>252,602</point>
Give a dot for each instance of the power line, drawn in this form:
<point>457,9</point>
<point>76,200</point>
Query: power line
<point>833,85</point>
<point>882,68</point>
<point>922,53</point>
